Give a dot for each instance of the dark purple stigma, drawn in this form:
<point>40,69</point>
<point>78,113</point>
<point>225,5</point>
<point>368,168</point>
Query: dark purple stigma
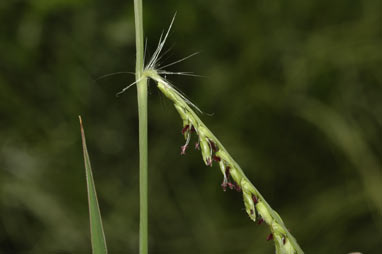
<point>216,158</point>
<point>185,128</point>
<point>284,240</point>
<point>192,129</point>
<point>252,212</point>
<point>260,221</point>
<point>270,237</point>
<point>254,199</point>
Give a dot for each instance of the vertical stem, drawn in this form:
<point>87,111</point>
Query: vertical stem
<point>142,114</point>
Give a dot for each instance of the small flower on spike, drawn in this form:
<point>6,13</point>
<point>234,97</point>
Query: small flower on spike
<point>223,170</point>
<point>206,150</point>
<point>184,147</point>
<point>264,213</point>
<point>247,197</point>
<point>235,175</point>
<point>277,228</point>
<point>227,175</point>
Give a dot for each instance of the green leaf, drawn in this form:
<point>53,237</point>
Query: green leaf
<point>96,229</point>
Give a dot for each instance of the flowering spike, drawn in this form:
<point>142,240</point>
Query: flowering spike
<point>234,177</point>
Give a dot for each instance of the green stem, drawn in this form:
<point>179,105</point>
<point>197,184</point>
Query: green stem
<point>142,114</point>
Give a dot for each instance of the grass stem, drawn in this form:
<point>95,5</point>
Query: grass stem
<point>142,114</point>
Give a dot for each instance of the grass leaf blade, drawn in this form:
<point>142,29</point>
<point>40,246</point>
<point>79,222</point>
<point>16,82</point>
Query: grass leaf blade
<point>97,234</point>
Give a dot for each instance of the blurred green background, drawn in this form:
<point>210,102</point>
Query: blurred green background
<point>295,88</point>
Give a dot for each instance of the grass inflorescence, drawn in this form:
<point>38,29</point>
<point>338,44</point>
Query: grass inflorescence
<point>212,151</point>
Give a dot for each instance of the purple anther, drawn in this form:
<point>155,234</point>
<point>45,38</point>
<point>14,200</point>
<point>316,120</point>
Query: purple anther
<point>213,145</point>
<point>216,158</point>
<point>270,237</point>
<point>237,187</point>
<point>227,173</point>
<point>255,200</point>
<point>185,128</point>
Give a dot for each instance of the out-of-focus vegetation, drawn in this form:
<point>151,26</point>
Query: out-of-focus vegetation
<point>295,88</point>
